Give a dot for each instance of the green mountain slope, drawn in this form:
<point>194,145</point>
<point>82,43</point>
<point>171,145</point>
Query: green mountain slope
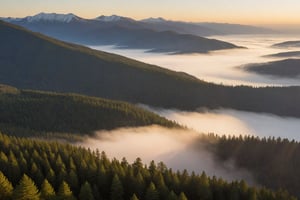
<point>69,169</point>
<point>39,112</point>
<point>33,61</point>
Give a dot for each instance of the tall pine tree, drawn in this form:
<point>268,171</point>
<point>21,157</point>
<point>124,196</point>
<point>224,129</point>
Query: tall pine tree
<point>134,197</point>
<point>26,190</point>
<point>182,196</point>
<point>47,191</point>
<point>86,192</point>
<point>151,193</point>
<point>6,188</point>
<point>116,189</point>
<point>64,192</point>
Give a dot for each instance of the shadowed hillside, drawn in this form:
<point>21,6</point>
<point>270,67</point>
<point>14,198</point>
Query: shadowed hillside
<point>33,61</point>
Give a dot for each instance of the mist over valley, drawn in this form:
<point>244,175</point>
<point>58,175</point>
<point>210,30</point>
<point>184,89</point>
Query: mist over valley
<point>225,66</point>
<point>119,108</point>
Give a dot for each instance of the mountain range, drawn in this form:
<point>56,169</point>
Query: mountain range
<point>30,60</point>
<point>156,24</point>
<point>153,34</point>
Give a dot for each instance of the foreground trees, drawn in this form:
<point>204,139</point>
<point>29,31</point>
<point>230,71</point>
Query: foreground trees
<point>64,171</point>
<point>26,190</point>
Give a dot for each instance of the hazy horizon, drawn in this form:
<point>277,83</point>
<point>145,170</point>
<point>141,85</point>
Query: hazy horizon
<point>288,27</point>
<point>261,13</point>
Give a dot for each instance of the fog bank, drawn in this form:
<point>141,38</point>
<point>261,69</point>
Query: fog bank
<point>233,122</point>
<point>220,67</point>
<point>179,149</point>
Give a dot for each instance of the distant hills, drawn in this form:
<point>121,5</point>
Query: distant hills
<point>288,44</point>
<point>119,31</point>
<point>33,61</point>
<point>285,54</point>
<point>288,68</point>
<point>203,28</point>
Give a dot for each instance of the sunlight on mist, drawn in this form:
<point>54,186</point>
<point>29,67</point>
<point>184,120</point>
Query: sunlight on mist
<point>179,149</point>
<point>220,67</point>
<point>233,122</point>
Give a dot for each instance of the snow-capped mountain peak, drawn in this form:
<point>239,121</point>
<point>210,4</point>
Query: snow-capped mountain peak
<point>154,20</point>
<point>51,17</point>
<point>112,18</point>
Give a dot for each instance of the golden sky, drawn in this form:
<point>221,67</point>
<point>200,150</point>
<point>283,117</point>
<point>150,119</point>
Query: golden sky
<point>260,12</point>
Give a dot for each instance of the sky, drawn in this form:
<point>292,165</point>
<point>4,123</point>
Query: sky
<point>263,12</point>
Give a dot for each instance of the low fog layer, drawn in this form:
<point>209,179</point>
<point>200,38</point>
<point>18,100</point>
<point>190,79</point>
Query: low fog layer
<point>233,122</point>
<point>220,66</point>
<point>176,148</point>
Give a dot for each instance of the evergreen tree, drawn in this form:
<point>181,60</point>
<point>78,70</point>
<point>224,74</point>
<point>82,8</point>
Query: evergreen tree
<point>36,174</point>
<point>14,173</point>
<point>172,196</point>
<point>116,189</point>
<point>182,196</point>
<point>73,180</point>
<point>151,193</point>
<point>158,180</point>
<point>64,192</point>
<point>51,177</point>
<point>139,184</point>
<point>134,197</point>
<point>47,191</point>
<point>96,193</point>
<point>26,190</point>
<point>6,188</point>
<point>86,192</point>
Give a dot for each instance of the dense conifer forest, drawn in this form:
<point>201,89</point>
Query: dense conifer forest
<point>274,162</point>
<point>32,113</point>
<point>32,169</point>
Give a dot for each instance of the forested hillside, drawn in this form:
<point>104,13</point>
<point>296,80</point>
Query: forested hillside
<point>274,162</point>
<point>32,61</point>
<point>36,170</point>
<point>33,113</point>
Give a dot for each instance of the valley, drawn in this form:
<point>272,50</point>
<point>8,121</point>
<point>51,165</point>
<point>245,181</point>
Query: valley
<point>119,108</point>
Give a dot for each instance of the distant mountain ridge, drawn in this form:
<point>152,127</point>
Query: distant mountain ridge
<point>50,17</point>
<point>119,31</point>
<point>156,24</point>
<point>112,18</point>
